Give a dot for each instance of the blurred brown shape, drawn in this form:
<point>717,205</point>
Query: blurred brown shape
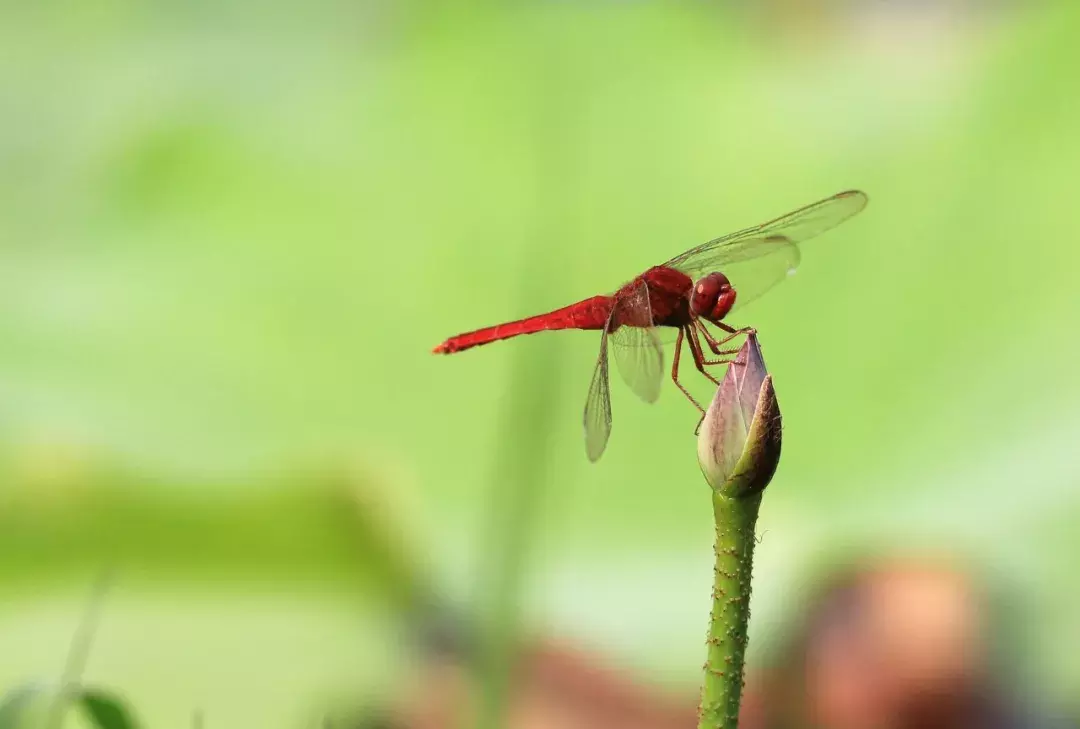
<point>893,645</point>
<point>557,686</point>
<point>908,643</point>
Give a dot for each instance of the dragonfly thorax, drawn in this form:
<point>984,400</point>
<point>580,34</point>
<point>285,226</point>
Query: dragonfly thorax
<point>712,297</point>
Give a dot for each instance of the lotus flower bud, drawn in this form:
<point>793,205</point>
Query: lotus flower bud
<point>739,440</point>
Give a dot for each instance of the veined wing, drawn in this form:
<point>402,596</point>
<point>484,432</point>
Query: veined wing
<point>639,356</point>
<point>757,258</point>
<point>597,419</point>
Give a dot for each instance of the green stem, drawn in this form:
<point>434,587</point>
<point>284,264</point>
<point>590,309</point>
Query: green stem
<point>735,539</point>
<point>530,405</point>
<point>78,652</point>
<point>521,473</point>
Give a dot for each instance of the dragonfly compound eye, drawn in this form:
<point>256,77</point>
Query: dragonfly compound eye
<point>713,297</point>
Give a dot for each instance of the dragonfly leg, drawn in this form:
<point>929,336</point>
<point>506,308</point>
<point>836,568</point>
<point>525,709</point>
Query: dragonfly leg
<point>715,344</point>
<point>733,331</point>
<point>699,362</point>
<point>675,376</point>
<point>715,362</point>
<point>724,354</point>
<point>699,357</point>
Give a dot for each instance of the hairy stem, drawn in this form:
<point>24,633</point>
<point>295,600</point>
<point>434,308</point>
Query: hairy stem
<point>721,691</point>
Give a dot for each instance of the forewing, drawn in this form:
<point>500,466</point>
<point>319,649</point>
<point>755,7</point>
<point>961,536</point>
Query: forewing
<point>598,405</point>
<point>639,356</point>
<point>751,277</point>
<point>757,258</point>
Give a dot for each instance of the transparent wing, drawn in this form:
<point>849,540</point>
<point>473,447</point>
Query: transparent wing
<point>639,356</point>
<point>752,277</point>
<point>757,258</point>
<point>598,404</point>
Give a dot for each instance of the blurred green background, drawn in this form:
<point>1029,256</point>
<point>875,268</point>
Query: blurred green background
<point>231,233</point>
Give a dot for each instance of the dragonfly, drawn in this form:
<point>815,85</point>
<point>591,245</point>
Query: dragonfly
<point>701,286</point>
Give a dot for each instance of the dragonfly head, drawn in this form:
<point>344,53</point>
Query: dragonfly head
<point>713,297</point>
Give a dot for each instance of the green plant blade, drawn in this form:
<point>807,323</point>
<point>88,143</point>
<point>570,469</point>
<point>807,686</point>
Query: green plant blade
<point>106,710</point>
<point>22,707</point>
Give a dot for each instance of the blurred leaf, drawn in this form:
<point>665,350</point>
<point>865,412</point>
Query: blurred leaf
<point>18,700</point>
<point>108,711</point>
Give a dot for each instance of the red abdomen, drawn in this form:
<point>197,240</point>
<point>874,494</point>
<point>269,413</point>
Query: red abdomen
<point>588,314</point>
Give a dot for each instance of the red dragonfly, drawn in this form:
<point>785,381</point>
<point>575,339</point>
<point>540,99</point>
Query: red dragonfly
<point>698,286</point>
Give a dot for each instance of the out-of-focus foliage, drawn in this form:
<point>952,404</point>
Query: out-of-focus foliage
<point>231,233</point>
<point>27,706</point>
